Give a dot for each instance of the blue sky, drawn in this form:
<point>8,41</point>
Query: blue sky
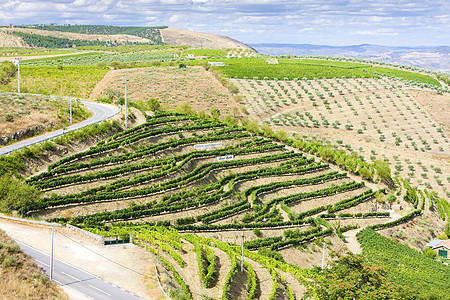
<point>333,22</point>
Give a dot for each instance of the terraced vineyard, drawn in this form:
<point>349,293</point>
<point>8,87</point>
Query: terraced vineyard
<point>189,189</point>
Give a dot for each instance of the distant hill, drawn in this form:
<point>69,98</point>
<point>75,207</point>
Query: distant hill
<point>68,36</point>
<point>179,37</point>
<point>432,58</point>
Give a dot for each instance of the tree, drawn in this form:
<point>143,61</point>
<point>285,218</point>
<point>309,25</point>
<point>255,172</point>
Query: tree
<point>429,252</point>
<point>153,104</point>
<point>267,130</point>
<point>16,195</point>
<point>231,121</point>
<point>447,228</point>
<point>365,173</point>
<point>353,277</point>
<point>7,70</point>
<point>113,94</point>
<point>215,112</point>
<point>391,198</point>
<point>281,135</point>
<point>383,170</point>
<point>101,65</point>
<point>186,108</point>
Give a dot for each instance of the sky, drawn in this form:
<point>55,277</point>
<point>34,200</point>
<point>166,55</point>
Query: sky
<point>324,22</point>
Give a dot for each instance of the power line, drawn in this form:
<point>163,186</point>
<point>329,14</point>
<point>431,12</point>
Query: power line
<point>107,258</point>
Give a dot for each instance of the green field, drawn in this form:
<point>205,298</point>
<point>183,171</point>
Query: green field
<point>291,69</point>
<point>90,59</point>
<point>78,81</point>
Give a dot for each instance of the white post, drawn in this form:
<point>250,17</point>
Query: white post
<point>323,255</point>
<point>70,101</point>
<point>242,259</point>
<point>18,75</point>
<point>126,112</point>
<point>51,259</point>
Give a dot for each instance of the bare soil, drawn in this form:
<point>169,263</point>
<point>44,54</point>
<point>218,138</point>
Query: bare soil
<point>171,86</point>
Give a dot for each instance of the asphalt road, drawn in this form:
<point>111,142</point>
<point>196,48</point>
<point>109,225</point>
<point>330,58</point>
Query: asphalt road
<point>101,112</point>
<point>77,279</point>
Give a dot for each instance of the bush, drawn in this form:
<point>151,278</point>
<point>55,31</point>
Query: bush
<point>447,228</point>
<point>442,236</point>
<point>9,118</point>
<point>429,252</point>
<point>10,261</point>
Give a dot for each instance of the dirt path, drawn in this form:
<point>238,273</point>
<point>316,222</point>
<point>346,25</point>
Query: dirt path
<point>115,264</point>
<point>351,241</point>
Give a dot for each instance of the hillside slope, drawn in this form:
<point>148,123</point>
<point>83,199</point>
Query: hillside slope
<point>120,38</point>
<point>9,40</point>
<point>178,37</point>
<point>21,277</point>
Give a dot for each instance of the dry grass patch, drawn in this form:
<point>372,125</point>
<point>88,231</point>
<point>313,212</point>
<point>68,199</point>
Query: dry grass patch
<point>20,277</point>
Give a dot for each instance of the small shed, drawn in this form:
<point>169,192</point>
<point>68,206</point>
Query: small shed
<point>442,247</point>
<point>396,207</point>
<point>216,63</point>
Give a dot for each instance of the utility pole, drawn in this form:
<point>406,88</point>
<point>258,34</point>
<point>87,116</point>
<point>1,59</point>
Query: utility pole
<point>70,103</point>
<point>323,255</point>
<point>51,259</point>
<point>17,63</point>
<point>242,258</point>
<point>126,112</point>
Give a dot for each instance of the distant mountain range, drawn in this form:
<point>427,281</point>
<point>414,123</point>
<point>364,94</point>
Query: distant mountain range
<point>432,58</point>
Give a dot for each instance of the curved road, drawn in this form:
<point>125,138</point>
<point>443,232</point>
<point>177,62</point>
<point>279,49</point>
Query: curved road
<point>101,112</point>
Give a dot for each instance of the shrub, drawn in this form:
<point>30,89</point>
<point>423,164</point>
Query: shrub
<point>10,261</point>
<point>9,117</point>
<point>429,252</point>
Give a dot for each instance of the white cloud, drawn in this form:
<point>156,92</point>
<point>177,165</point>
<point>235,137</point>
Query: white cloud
<point>305,21</point>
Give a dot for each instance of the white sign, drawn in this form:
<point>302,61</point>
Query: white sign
<point>204,146</point>
<point>16,62</point>
<point>227,157</point>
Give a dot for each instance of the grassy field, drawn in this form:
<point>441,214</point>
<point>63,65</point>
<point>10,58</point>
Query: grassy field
<point>78,81</point>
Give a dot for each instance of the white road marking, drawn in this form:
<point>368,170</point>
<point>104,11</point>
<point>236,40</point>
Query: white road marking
<point>70,276</point>
<point>100,290</point>
<point>42,263</point>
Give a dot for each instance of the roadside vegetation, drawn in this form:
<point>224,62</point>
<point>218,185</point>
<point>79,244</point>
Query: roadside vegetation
<point>21,277</point>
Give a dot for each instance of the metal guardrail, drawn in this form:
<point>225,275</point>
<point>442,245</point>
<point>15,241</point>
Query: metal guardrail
<point>159,282</point>
<point>30,221</point>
